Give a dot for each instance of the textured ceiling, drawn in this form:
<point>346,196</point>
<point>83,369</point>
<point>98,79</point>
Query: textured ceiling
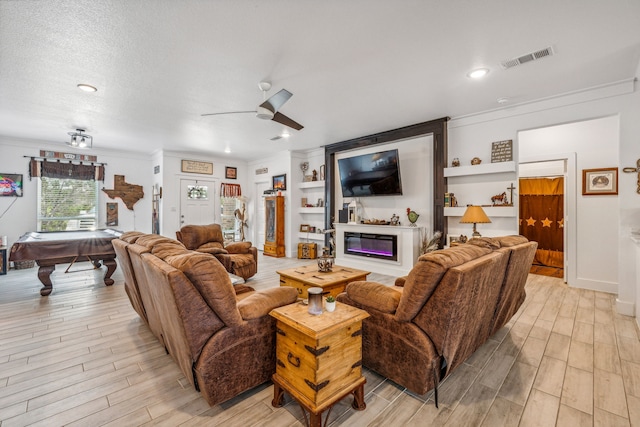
<point>354,67</point>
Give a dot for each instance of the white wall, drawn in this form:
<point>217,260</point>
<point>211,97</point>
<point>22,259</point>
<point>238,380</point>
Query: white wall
<point>599,215</point>
<point>278,164</point>
<point>551,168</point>
<point>22,216</point>
<point>470,133</point>
<point>416,174</point>
<point>171,171</point>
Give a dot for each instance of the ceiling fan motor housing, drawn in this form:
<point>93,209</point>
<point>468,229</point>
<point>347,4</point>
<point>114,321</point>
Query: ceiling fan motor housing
<point>264,113</point>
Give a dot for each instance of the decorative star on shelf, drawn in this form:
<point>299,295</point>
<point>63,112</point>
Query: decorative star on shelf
<point>530,222</point>
<point>546,222</point>
<point>561,223</point>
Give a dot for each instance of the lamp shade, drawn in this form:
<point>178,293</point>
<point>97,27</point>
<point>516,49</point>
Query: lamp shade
<point>475,215</point>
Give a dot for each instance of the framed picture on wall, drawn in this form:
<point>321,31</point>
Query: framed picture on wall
<point>230,172</point>
<point>602,181</point>
<point>112,214</point>
<point>280,182</point>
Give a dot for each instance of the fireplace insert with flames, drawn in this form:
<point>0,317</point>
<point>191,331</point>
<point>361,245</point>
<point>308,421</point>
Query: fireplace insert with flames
<point>383,246</point>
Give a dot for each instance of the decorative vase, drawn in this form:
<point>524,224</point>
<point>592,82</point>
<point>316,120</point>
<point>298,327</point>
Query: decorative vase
<point>330,306</point>
<point>325,263</point>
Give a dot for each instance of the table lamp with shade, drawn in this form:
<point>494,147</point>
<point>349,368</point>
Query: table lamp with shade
<point>475,215</point>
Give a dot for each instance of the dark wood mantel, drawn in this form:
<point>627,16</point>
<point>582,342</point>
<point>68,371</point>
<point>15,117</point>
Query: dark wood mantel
<point>437,128</point>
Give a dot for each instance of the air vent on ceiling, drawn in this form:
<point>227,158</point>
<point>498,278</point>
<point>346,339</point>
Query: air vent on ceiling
<point>539,54</point>
<point>275,138</point>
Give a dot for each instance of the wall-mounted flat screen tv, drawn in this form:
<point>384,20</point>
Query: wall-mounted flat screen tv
<point>10,184</point>
<point>375,174</point>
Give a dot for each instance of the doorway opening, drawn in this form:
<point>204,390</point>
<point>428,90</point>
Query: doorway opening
<point>541,205</point>
<point>544,203</point>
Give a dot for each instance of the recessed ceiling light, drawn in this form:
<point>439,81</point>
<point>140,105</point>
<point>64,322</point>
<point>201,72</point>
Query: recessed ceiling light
<point>478,73</point>
<point>502,100</point>
<point>87,88</point>
<point>227,150</point>
<point>285,134</point>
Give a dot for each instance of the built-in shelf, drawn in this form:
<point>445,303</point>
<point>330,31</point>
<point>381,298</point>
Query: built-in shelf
<point>319,210</point>
<point>480,169</point>
<point>491,211</point>
<point>311,236</point>
<point>311,184</point>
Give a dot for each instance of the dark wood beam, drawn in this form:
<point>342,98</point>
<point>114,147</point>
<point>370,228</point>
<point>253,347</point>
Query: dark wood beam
<point>437,128</point>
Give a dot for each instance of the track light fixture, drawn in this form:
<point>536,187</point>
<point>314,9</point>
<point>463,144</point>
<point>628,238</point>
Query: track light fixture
<point>79,139</point>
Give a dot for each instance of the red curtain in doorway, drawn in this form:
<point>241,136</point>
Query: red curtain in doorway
<point>542,218</point>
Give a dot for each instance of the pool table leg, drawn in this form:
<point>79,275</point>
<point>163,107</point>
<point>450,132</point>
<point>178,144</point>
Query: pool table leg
<point>44,274</point>
<point>111,265</point>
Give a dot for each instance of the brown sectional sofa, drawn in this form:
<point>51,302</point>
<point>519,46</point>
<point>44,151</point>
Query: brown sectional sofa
<point>222,340</point>
<point>451,302</point>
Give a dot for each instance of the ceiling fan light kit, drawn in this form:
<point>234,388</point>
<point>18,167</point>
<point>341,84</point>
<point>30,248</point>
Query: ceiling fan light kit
<point>268,110</point>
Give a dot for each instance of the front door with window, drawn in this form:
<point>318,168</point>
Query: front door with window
<point>197,202</point>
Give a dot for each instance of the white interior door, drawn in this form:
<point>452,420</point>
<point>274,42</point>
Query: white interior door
<point>198,201</point>
<point>260,214</point>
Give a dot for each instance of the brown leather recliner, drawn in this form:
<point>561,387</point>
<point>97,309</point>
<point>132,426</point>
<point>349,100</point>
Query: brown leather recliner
<point>452,301</point>
<point>239,258</point>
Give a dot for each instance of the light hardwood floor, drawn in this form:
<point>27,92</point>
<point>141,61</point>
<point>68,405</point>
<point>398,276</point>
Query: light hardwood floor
<point>82,357</point>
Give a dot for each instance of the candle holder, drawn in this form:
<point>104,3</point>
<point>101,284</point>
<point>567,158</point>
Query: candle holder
<point>315,300</point>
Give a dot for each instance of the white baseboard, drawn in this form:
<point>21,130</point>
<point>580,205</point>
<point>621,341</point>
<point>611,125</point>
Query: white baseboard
<point>627,308</point>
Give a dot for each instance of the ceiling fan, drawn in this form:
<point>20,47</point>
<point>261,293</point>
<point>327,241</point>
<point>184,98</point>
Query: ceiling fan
<point>268,110</point>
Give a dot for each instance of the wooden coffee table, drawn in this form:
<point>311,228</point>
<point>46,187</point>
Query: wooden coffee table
<point>318,358</point>
<point>332,282</point>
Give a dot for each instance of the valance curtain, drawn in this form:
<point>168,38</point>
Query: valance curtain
<point>65,170</point>
<point>542,218</point>
<point>230,190</point>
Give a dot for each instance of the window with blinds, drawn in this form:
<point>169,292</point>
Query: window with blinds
<point>67,204</point>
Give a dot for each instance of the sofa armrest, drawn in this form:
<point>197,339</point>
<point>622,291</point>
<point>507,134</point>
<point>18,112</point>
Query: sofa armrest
<point>254,251</point>
<point>212,248</point>
<point>238,247</point>
<point>260,303</point>
<point>400,281</point>
<point>374,295</point>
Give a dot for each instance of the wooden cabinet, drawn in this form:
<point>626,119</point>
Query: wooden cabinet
<point>319,357</point>
<point>274,226</point>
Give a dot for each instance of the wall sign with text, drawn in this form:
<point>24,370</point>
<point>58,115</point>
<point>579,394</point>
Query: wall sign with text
<point>193,166</point>
<point>502,151</point>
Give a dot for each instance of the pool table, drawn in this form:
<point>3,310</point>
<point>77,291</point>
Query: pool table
<point>63,247</point>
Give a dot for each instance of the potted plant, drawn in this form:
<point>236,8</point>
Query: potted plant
<point>330,303</point>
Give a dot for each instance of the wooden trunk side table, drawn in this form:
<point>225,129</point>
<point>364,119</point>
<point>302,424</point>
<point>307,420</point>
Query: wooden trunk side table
<point>332,282</point>
<point>318,358</point>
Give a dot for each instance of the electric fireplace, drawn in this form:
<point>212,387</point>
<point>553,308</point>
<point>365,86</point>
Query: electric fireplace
<point>383,246</point>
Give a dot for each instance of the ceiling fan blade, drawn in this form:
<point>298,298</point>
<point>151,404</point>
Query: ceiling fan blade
<point>228,112</point>
<point>281,118</point>
<point>276,101</point>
